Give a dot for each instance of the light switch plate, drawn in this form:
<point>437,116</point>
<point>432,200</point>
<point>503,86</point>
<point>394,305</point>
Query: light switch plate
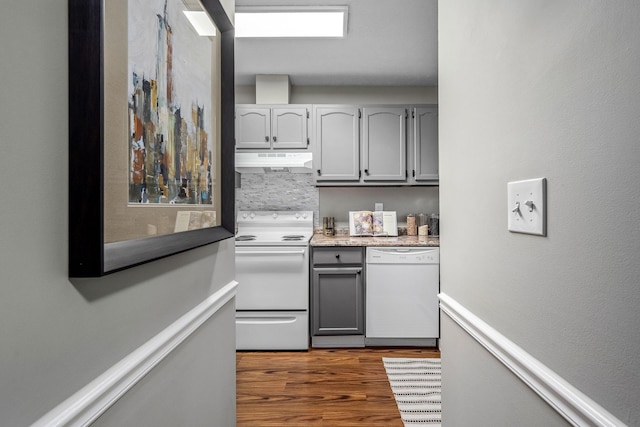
<point>527,206</point>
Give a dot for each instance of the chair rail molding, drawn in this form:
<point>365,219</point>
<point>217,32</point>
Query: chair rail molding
<point>91,401</point>
<point>576,407</point>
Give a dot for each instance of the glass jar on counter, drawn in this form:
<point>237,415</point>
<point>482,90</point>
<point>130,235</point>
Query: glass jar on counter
<point>412,225</point>
<point>423,224</point>
<point>434,224</point>
<point>328,226</point>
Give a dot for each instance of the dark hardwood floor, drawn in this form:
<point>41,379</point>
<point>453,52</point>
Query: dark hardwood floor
<point>321,387</point>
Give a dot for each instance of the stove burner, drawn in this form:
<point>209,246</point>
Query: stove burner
<point>292,237</point>
<point>245,238</point>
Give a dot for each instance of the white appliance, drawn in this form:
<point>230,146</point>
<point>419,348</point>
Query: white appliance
<point>402,286</point>
<point>272,269</point>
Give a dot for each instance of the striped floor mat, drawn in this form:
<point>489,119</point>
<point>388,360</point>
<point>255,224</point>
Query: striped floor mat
<point>416,386</point>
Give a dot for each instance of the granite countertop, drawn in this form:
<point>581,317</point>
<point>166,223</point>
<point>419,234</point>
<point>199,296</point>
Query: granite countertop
<point>345,240</point>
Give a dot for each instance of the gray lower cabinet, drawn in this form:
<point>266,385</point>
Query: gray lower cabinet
<point>337,297</point>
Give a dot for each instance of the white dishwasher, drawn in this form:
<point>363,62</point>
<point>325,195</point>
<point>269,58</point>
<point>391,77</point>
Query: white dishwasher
<point>402,285</point>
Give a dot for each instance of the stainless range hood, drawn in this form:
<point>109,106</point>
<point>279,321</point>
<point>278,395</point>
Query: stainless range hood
<point>274,161</point>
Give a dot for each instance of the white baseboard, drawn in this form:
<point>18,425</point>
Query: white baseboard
<point>576,407</point>
<point>86,405</point>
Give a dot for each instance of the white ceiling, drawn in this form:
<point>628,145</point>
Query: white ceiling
<point>388,43</point>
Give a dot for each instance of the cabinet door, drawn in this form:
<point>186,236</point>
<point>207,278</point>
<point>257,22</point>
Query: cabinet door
<point>425,143</point>
<point>253,127</point>
<point>337,149</point>
<point>384,142</point>
<point>289,128</point>
<point>338,301</point>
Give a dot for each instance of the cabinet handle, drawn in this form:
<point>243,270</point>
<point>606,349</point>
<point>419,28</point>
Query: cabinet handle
<point>319,172</point>
<point>366,171</point>
<point>414,173</point>
<point>359,272</point>
<point>275,139</point>
<point>266,138</point>
<point>337,256</point>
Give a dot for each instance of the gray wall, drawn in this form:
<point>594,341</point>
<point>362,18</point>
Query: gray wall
<point>337,202</point>
<point>57,335</point>
<point>542,89</point>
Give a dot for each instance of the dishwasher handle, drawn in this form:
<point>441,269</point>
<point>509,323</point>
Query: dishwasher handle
<point>403,251</point>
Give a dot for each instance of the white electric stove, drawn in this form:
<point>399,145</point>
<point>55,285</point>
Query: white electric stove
<point>272,269</point>
<point>274,228</point>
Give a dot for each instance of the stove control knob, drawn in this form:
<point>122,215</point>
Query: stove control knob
<point>252,215</point>
<point>297,215</point>
<point>304,215</point>
<point>275,215</point>
<point>244,215</point>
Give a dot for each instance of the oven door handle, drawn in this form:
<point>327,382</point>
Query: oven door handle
<point>264,320</point>
<point>298,252</point>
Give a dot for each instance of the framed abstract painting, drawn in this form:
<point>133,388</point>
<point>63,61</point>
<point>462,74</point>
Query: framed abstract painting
<point>151,135</point>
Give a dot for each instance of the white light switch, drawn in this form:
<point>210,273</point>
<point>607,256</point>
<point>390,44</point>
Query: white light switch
<point>527,210</point>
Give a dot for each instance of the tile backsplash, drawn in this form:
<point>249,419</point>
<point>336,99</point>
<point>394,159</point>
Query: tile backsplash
<point>278,191</point>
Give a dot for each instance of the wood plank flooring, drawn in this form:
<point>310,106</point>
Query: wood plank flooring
<point>321,387</point>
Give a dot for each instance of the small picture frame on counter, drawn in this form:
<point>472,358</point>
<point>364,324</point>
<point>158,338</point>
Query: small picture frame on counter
<point>373,223</point>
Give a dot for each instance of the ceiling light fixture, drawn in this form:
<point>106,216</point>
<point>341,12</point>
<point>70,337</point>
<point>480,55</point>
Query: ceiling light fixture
<point>201,22</point>
<point>291,21</point>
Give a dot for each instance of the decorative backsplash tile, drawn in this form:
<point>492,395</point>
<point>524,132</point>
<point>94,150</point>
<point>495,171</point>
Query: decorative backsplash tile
<point>278,191</point>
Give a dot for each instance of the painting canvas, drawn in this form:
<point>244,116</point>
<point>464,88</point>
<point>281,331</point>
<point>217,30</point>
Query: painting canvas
<point>170,102</point>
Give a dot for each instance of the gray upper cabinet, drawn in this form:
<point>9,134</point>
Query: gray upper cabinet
<point>337,144</point>
<point>384,142</point>
<point>375,145</point>
<point>289,127</point>
<point>425,144</point>
<point>272,127</point>
<point>253,127</point>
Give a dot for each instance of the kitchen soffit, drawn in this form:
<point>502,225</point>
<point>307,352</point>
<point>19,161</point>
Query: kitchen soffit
<point>388,43</point>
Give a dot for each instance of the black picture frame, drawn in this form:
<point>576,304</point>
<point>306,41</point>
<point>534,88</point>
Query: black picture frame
<point>89,255</point>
